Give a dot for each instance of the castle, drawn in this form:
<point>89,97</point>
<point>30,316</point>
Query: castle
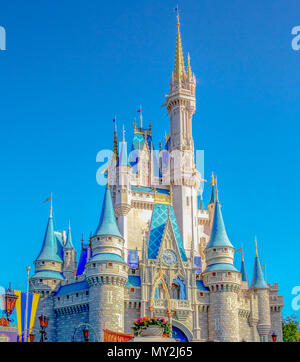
<point>157,251</point>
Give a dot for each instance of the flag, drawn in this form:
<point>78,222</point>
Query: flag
<point>139,111</point>
<point>241,249</point>
<point>49,198</point>
<point>263,266</point>
<point>33,301</point>
<point>105,170</point>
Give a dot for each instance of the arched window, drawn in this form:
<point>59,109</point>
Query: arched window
<point>175,289</point>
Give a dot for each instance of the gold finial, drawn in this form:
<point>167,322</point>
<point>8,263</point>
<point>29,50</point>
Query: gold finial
<point>179,70</point>
<point>115,147</point>
<point>69,228</point>
<point>134,124</point>
<point>256,254</point>
<point>189,70</point>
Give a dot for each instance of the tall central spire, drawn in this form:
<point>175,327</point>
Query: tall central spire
<point>179,70</point>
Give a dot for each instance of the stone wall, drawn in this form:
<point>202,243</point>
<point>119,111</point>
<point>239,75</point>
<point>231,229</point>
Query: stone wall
<point>66,325</point>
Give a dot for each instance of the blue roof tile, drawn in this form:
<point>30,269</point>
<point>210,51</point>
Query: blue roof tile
<point>133,281</point>
<point>158,223</point>
<point>218,235</point>
<point>258,281</point>
<point>200,286</point>
<point>244,272</point>
<point>108,224</point>
<point>48,274</point>
<point>220,267</point>
<point>51,248</point>
<point>72,288</point>
<point>107,257</point>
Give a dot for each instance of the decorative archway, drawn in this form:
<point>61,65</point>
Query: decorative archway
<point>157,281</point>
<point>183,329</point>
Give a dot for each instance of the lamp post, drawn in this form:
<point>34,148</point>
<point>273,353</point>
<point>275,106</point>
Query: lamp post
<point>86,333</point>
<point>274,337</point>
<point>43,324</point>
<point>9,302</point>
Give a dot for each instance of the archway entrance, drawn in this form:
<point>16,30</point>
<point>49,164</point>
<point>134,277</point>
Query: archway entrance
<point>179,335</point>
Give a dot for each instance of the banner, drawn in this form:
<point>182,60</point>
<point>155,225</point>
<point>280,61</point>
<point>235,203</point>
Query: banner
<point>133,259</point>
<point>33,301</point>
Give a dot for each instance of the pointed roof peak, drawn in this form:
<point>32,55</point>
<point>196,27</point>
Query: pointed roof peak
<point>107,223</point>
<point>213,191</point>
<point>179,69</point>
<point>218,235</point>
<point>50,250</point>
<point>243,269</point>
<point>69,243</point>
<point>258,280</point>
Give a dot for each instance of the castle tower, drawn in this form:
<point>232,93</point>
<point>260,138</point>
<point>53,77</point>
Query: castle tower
<point>181,105</point>
<point>243,270</point>
<point>223,281</point>
<point>47,276</point>
<point>107,273</point>
<point>122,198</point>
<point>70,264</point>
<point>48,264</point>
<point>260,290</point>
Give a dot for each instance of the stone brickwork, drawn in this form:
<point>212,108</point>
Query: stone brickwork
<point>67,324</point>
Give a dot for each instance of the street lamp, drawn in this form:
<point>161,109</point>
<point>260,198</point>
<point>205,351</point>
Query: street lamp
<point>43,324</point>
<point>274,337</point>
<point>9,302</point>
<point>86,333</point>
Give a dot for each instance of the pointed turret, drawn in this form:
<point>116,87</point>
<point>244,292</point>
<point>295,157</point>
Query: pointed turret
<point>50,249</point>
<point>69,243</point>
<point>218,235</point>
<point>243,270</point>
<point>258,281</point>
<point>179,70</point>
<point>107,224</point>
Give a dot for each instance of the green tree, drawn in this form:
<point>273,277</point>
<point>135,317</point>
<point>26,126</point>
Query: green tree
<point>290,327</point>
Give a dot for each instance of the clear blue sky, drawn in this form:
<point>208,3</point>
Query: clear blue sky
<point>70,66</point>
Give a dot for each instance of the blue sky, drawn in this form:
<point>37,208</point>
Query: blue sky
<point>70,66</point>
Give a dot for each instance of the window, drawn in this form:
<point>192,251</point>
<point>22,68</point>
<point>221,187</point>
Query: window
<point>215,250</point>
<point>87,292</point>
<point>201,294</point>
<point>76,294</point>
<point>68,296</point>
<point>58,298</point>
<point>133,271</point>
<point>41,280</point>
<point>94,265</point>
<point>109,264</point>
<point>214,274</point>
<point>54,281</point>
<point>229,273</point>
<point>132,290</point>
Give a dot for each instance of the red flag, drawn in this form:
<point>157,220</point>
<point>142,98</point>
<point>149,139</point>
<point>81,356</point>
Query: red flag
<point>139,110</point>
<point>49,198</point>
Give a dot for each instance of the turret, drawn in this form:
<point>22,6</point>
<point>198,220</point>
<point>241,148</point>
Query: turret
<point>70,264</point>
<point>260,290</point>
<point>223,281</point>
<point>107,272</point>
<point>48,264</point>
<point>243,270</point>
<point>184,178</point>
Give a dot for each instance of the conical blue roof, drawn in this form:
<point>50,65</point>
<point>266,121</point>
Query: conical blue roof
<point>212,195</point>
<point>244,272</point>
<point>123,159</point>
<point>258,280</point>
<point>50,250</point>
<point>69,244</point>
<point>108,224</point>
<point>218,235</point>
